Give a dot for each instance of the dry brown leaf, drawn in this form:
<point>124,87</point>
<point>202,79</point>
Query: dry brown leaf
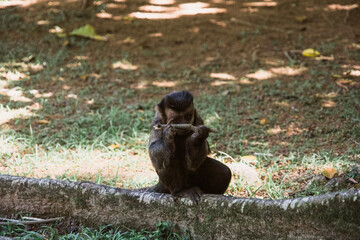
<point>329,172</point>
<point>43,121</point>
<point>328,104</point>
<point>114,146</point>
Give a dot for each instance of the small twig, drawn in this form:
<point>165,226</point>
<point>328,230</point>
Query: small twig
<point>253,25</point>
<point>264,154</point>
<point>182,127</point>
<point>346,16</point>
<point>227,155</point>
<point>288,56</point>
<point>32,222</point>
<point>327,20</point>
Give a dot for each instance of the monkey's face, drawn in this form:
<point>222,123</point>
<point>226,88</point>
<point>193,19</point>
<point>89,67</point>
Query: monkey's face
<point>184,117</point>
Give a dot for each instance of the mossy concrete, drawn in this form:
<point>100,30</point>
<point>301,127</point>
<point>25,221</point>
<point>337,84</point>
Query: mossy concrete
<point>329,216</point>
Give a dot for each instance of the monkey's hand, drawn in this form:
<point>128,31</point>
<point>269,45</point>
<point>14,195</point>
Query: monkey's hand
<point>200,133</point>
<point>169,134</point>
<point>194,194</point>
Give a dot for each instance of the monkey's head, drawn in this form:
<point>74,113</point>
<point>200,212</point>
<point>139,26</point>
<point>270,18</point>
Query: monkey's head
<point>177,107</point>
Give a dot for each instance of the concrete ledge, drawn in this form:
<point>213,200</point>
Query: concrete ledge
<point>333,215</point>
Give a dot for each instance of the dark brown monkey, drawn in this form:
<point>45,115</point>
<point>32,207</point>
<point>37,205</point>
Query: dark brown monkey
<point>180,156</point>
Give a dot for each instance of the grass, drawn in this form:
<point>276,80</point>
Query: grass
<point>67,113</point>
<point>72,136</point>
<point>163,230</point>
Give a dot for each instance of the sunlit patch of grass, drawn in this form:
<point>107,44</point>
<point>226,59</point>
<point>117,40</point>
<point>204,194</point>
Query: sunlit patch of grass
<point>284,177</point>
<point>122,167</point>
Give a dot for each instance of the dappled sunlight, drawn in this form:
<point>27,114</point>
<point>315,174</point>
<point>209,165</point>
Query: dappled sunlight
<point>14,94</point>
<point>291,130</point>
<point>336,7</point>
<point>246,81</point>
<point>20,3</point>
<point>7,114</point>
<point>43,22</point>
<point>249,10</point>
<point>104,15</point>
<point>152,8</point>
<point>162,2</point>
<point>355,73</point>
<point>72,96</point>
<point>227,2</point>
<point>185,9</point>
<point>260,75</point>
<point>225,79</point>
<point>155,35</point>
<point>167,84</point>
<point>357,67</point>
<point>125,65</point>
<point>95,165</point>
<point>224,76</point>
<point>288,71</point>
<point>54,3</point>
<point>272,72</point>
<point>260,4</point>
<point>219,83</point>
<point>4,84</point>
<point>117,6</point>
<point>139,85</point>
<point>37,94</point>
<point>13,76</point>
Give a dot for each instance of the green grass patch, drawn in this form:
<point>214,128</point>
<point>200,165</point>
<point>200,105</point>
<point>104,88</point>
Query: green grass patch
<point>163,230</point>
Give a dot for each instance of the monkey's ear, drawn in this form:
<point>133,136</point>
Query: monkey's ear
<point>160,116</point>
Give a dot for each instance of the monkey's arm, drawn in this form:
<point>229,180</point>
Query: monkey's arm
<point>161,149</point>
<point>197,148</point>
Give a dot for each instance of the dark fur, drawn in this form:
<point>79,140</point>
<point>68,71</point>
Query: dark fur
<point>181,162</point>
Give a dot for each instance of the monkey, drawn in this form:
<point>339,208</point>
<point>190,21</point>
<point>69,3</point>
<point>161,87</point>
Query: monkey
<point>180,156</point>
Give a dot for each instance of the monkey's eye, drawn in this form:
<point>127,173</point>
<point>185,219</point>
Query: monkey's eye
<point>188,117</point>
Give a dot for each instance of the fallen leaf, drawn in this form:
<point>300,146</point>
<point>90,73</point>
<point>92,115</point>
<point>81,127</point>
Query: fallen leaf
<point>336,76</point>
<point>275,130</point>
<point>329,172</point>
<point>43,121</point>
<point>301,19</point>
<point>87,31</point>
<point>114,146</point>
<point>249,159</point>
<point>84,77</point>
<point>345,83</point>
<point>310,53</point>
<point>356,45</point>
<point>328,104</point>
